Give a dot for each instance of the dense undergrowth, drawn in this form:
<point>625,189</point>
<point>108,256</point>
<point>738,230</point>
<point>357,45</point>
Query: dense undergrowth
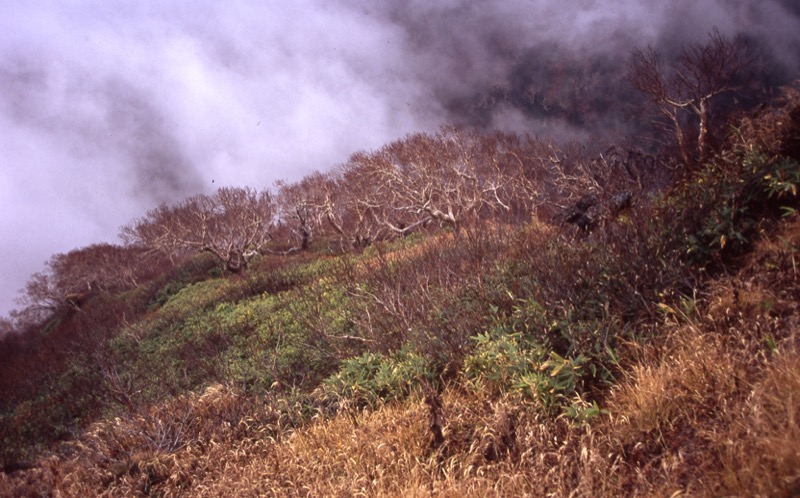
<point>657,354</point>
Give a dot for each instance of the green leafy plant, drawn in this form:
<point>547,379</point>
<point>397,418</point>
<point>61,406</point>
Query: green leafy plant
<point>372,377</point>
<point>781,184</point>
<point>500,359</point>
<point>583,411</point>
<point>733,197</point>
<point>510,362</point>
<point>554,381</point>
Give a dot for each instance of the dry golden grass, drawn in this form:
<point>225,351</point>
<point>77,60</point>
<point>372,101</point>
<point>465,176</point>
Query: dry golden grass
<point>712,408</point>
<point>759,446</point>
<point>675,426</point>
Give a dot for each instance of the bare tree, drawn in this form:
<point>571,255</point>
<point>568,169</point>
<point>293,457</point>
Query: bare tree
<point>233,225</point>
<point>70,279</point>
<point>369,211</point>
<point>41,297</point>
<point>316,205</point>
<point>297,210</point>
<point>448,178</point>
<point>105,267</point>
<point>683,92</point>
<point>535,172</point>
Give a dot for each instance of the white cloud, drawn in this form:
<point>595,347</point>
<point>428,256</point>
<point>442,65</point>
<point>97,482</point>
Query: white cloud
<point>109,107</point>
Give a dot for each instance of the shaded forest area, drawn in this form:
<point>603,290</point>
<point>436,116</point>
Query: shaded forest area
<point>466,312</point>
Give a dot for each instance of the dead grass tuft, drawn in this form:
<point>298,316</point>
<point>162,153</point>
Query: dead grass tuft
<point>759,446</point>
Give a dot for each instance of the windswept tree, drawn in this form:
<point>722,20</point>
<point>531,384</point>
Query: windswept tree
<point>233,225</point>
<point>532,172</point>
<point>683,92</point>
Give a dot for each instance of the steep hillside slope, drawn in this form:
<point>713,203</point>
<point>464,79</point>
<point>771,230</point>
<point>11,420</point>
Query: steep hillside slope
<point>651,351</point>
<point>707,406</point>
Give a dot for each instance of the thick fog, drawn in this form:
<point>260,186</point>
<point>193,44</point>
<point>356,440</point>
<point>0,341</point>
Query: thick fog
<point>109,108</point>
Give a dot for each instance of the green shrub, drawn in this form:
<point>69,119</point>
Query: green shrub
<point>781,184</point>
<point>373,377</point>
<point>500,359</point>
<point>505,361</point>
<point>554,382</point>
<point>731,199</point>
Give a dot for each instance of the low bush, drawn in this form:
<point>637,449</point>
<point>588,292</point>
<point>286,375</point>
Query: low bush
<point>372,378</point>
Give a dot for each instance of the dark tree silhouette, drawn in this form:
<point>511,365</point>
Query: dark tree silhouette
<point>684,91</point>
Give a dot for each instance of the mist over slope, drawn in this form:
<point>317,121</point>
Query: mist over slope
<point>108,110</point>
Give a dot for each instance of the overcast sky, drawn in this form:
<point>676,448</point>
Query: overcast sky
<point>108,108</point>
